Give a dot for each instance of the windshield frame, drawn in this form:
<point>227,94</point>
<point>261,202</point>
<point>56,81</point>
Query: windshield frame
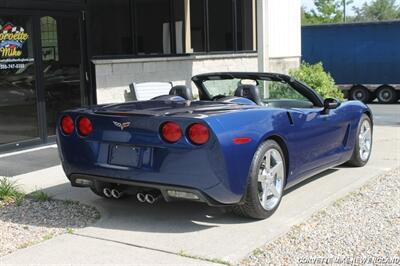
<point>300,87</point>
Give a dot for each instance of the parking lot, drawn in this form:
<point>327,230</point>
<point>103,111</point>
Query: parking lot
<point>189,233</point>
<point>386,114</point>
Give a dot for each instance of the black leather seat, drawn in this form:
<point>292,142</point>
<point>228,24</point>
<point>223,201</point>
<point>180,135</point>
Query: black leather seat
<point>250,92</point>
<point>182,91</point>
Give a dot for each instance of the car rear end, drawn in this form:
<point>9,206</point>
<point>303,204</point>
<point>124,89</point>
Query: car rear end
<point>180,156</point>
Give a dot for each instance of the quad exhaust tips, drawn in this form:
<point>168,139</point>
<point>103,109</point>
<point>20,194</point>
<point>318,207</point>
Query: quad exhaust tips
<point>150,198</point>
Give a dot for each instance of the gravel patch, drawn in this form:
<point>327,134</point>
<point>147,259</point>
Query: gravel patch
<point>34,221</point>
<point>361,228</point>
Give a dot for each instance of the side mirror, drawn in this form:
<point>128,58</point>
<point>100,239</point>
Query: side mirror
<point>330,104</point>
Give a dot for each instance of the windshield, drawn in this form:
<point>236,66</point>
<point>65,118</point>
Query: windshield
<point>269,90</point>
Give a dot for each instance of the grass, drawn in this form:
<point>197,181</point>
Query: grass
<point>182,253</point>
<point>69,231</point>
<point>40,196</point>
<point>48,237</point>
<point>9,191</point>
<point>25,245</point>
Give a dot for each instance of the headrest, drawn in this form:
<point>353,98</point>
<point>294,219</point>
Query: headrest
<point>250,92</point>
<point>182,91</point>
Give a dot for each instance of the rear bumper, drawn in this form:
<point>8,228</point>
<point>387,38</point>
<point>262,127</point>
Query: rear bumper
<point>202,197</point>
<point>200,172</point>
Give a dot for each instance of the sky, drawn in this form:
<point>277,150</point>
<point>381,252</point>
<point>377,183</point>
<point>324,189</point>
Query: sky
<point>309,4</point>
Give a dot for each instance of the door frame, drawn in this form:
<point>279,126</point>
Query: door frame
<point>43,136</point>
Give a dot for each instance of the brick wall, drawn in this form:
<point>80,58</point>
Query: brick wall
<point>114,76</point>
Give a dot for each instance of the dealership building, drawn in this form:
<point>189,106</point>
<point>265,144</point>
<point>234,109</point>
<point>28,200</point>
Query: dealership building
<point>60,54</point>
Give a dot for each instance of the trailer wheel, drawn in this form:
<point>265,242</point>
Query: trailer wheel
<point>387,94</point>
<point>360,93</point>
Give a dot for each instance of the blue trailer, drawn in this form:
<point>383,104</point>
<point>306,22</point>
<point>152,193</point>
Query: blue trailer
<point>363,58</point>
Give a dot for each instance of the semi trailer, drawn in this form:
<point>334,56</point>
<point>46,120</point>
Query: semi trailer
<point>363,58</point>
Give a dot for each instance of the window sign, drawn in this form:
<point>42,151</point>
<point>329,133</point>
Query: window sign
<point>12,42</point>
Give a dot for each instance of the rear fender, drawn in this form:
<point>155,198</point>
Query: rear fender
<point>258,125</point>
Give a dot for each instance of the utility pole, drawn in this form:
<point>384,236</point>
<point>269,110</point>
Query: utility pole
<point>344,11</point>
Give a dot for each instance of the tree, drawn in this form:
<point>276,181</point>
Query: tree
<point>325,11</point>
<point>378,10</point>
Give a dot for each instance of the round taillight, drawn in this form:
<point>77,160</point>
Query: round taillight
<point>85,126</point>
<point>198,134</point>
<point>171,132</point>
<point>67,125</point>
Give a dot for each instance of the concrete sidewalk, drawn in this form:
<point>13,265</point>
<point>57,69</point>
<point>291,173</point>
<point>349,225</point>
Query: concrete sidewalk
<point>133,233</point>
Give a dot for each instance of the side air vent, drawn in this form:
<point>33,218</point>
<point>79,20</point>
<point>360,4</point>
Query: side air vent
<point>290,118</point>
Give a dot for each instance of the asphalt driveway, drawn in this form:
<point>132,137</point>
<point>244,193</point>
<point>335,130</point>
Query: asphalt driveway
<point>189,233</point>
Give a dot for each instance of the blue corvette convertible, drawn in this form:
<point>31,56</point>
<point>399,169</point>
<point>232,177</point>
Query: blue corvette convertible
<point>248,138</point>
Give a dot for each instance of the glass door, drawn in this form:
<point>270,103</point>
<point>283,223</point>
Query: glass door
<point>62,65</point>
<point>41,73</point>
<point>18,90</point>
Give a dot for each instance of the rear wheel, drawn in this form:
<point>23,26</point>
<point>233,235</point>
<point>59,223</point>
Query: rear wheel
<point>360,93</point>
<point>387,95</point>
<point>363,145</point>
<point>266,182</point>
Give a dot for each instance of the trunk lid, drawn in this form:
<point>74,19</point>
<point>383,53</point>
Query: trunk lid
<point>169,108</point>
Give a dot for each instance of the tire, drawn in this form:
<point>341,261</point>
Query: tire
<point>358,160</point>
<point>387,95</point>
<point>251,205</point>
<point>360,93</point>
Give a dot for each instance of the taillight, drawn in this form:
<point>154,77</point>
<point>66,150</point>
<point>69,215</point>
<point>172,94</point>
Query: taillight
<point>85,126</point>
<point>198,134</point>
<point>171,132</point>
<point>67,125</point>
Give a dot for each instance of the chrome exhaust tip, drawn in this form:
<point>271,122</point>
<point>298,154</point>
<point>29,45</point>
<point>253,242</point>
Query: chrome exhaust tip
<point>116,194</point>
<point>107,192</point>
<point>141,197</point>
<point>151,198</point>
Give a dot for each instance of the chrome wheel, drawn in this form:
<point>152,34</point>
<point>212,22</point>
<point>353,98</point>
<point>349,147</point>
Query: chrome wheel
<point>365,140</point>
<point>270,179</point>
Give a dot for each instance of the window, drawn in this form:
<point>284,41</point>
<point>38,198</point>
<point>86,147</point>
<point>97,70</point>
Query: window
<point>152,25</point>
<point>110,27</point>
<point>197,20</point>
<point>48,26</point>
<point>282,90</point>
<point>275,93</point>
<point>178,14</point>
<point>164,27</point>
<point>245,19</point>
<point>220,19</point>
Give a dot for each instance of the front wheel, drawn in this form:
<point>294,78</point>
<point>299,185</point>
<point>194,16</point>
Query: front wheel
<point>363,143</point>
<point>266,182</point>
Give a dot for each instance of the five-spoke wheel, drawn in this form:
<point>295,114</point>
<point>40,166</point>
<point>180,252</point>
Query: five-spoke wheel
<point>270,179</point>
<point>265,183</point>
<point>363,143</point>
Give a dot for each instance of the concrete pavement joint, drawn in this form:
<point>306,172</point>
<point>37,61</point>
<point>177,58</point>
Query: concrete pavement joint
<point>180,254</point>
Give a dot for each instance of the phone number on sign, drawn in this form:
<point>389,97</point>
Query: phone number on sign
<point>12,66</point>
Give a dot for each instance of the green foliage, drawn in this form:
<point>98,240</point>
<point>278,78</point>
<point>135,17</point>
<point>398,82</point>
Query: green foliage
<point>9,191</point>
<point>316,77</point>
<point>378,10</point>
<point>326,11</point>
<point>279,90</point>
<point>40,196</point>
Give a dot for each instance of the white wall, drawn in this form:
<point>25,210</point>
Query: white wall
<point>284,23</point>
<point>114,76</point>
